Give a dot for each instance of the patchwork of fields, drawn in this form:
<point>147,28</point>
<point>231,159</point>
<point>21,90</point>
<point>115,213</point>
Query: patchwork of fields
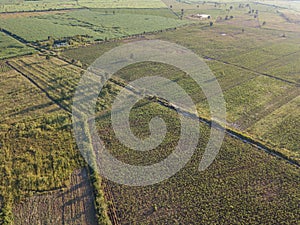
<point>238,164</point>
<point>97,25</point>
<point>257,72</point>
<point>253,55</point>
<point>41,5</point>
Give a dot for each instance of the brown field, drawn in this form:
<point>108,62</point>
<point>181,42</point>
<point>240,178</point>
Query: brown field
<point>72,205</point>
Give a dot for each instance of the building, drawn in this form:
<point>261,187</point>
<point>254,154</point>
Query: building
<point>201,16</point>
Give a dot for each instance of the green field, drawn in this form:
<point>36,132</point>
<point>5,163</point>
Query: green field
<point>98,25</point>
<point>279,127</point>
<point>9,47</point>
<point>122,4</point>
<point>42,5</point>
<point>21,6</point>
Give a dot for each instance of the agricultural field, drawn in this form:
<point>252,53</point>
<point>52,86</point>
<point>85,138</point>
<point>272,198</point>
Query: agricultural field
<point>17,95</point>
<point>145,4</point>
<point>279,127</point>
<point>71,205</point>
<point>252,49</point>
<point>56,78</point>
<point>48,5</point>
<point>50,76</point>
<point>256,69</point>
<point>38,151</point>
<point>40,5</point>
<point>96,25</point>
<point>9,47</point>
<point>244,185</point>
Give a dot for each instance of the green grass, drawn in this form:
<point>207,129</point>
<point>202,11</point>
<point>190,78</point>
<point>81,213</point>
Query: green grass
<point>37,155</point>
<point>242,100</point>
<point>122,4</point>
<point>88,54</point>
<point>243,186</point>
<point>96,24</point>
<point>154,12</point>
<point>279,127</point>
<point>17,6</point>
<point>9,47</point>
<point>20,6</point>
<point>286,67</point>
